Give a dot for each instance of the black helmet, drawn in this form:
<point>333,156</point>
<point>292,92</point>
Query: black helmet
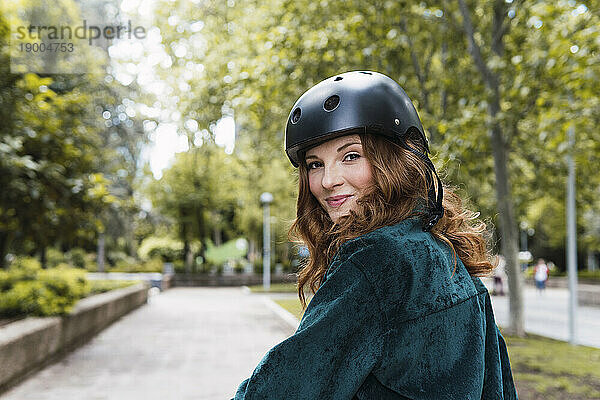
<point>354,102</point>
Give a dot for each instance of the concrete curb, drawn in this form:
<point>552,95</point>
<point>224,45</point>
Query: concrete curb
<point>30,344</point>
<point>289,318</point>
<point>284,314</point>
<point>181,280</point>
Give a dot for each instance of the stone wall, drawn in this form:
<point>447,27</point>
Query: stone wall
<point>29,344</point>
<point>228,280</point>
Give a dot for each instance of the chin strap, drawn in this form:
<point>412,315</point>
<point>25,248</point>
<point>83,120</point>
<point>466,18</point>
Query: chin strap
<point>434,203</point>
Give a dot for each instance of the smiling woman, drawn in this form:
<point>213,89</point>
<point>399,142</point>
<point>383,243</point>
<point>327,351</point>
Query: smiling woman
<point>338,174</point>
<point>398,310</point>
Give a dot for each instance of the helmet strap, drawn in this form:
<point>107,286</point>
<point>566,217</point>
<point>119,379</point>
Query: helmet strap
<point>434,203</point>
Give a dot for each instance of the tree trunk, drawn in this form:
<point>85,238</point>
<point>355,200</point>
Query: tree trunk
<point>510,245</point>
<point>592,262</point>
<point>100,256</point>
<point>444,95</point>
<point>5,239</point>
<point>130,236</point>
<point>202,253</point>
<point>251,250</point>
<point>43,260</point>
<point>187,259</point>
<point>218,238</point>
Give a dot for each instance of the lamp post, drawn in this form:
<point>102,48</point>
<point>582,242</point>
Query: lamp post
<point>266,199</point>
<point>572,239</point>
<point>525,254</point>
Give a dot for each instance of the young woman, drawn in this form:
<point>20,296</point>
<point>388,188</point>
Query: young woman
<point>398,311</point>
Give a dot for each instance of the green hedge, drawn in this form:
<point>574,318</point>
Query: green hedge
<point>166,248</point>
<point>589,275</point>
<point>26,289</point>
<point>101,286</point>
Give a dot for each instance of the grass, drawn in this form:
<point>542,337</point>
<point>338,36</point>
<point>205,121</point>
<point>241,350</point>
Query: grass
<point>291,305</point>
<point>276,288</point>
<point>542,368</point>
<point>551,369</point>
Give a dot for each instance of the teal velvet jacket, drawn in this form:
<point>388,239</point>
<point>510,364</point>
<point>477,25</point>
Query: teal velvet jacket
<point>392,320</point>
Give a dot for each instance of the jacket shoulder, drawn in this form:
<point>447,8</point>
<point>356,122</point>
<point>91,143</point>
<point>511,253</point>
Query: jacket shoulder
<point>413,273</point>
<point>399,243</point>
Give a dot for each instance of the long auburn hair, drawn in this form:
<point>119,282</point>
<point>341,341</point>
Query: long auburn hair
<point>400,184</point>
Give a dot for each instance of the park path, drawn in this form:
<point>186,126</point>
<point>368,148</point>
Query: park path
<point>186,343</point>
<point>547,314</point>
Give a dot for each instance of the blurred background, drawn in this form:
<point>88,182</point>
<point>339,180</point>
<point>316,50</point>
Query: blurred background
<point>148,153</point>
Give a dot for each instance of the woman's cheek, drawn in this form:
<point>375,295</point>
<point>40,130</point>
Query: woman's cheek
<point>314,187</point>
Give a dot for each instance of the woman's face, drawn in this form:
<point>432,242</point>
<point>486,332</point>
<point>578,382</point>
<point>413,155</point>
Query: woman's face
<point>338,174</point>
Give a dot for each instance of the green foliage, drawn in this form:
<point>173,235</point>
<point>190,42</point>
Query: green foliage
<point>26,289</point>
<point>152,265</point>
<point>553,272</point>
<point>90,262</point>
<point>120,259</point>
<point>261,57</point>
<point>238,267</point>
<point>258,266</point>
<point>102,286</point>
<point>77,257</point>
<point>178,266</point>
<point>287,266</point>
<point>164,247</point>
<point>54,257</point>
<point>227,251</point>
<point>589,275</point>
<point>28,266</point>
<point>66,172</point>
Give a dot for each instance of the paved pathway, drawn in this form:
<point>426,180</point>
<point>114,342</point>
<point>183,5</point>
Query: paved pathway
<point>547,315</point>
<point>200,343</point>
<point>187,343</point>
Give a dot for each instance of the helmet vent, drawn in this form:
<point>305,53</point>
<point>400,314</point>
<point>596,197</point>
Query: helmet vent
<point>331,103</point>
<point>365,72</point>
<point>296,115</point>
<point>339,78</point>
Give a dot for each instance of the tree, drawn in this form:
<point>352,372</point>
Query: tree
<point>499,27</point>
<point>491,84</point>
<point>58,160</point>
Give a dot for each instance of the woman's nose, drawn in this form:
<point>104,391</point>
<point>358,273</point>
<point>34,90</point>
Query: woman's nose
<point>332,177</point>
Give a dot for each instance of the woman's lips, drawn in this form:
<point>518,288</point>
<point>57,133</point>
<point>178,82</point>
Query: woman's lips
<point>337,201</point>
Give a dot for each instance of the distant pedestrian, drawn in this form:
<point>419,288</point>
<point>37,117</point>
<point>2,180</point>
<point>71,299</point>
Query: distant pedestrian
<point>541,275</point>
<point>499,276</point>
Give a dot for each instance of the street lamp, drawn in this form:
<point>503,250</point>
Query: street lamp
<point>572,238</point>
<point>266,199</point>
<point>525,255</point>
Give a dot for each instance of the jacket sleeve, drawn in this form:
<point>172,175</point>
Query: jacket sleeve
<point>339,341</point>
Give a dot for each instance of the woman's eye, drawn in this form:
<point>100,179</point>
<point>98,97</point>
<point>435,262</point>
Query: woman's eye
<point>313,165</point>
<point>352,156</point>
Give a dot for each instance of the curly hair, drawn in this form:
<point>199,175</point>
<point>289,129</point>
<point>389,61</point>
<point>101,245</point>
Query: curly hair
<point>400,185</point>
